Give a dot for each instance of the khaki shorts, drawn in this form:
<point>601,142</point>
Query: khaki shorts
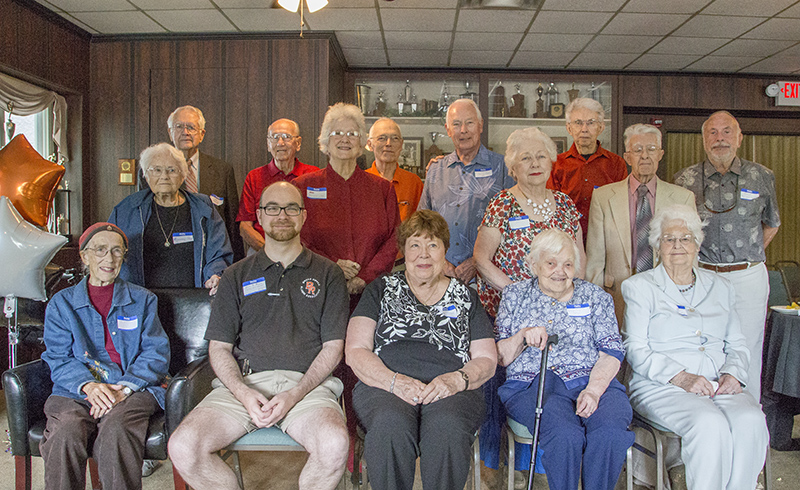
<point>270,383</point>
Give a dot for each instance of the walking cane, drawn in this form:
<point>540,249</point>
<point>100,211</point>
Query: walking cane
<point>551,340</point>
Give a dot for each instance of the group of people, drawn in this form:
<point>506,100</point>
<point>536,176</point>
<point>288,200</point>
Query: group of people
<point>498,253</point>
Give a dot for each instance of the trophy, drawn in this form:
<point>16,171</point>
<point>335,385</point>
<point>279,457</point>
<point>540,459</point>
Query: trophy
<point>433,151</point>
<point>594,93</point>
<point>10,126</point>
<point>405,99</point>
<point>469,94</point>
<point>362,96</point>
<point>380,104</point>
<point>573,93</point>
<point>497,101</point>
<point>517,108</point>
<point>540,113</point>
<point>554,108</point>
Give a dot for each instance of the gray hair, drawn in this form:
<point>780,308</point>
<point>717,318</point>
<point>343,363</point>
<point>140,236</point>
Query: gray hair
<point>638,129</point>
<point>469,102</point>
<point>736,121</point>
<point>336,113</point>
<point>676,212</point>
<point>163,151</point>
<point>201,120</point>
<point>520,142</point>
<point>585,103</point>
<point>551,242</point>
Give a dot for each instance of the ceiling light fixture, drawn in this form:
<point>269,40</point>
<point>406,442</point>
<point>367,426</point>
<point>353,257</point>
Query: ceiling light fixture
<point>294,5</point>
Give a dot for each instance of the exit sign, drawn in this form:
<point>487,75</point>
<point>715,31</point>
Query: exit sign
<point>788,94</point>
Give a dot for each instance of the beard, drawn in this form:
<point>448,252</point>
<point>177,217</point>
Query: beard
<point>282,235</point>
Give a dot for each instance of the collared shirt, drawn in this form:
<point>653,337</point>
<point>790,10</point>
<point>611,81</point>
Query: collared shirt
<point>578,178</point>
<point>460,193</point>
<point>633,199</point>
<point>276,317</point>
<point>586,325</point>
<point>259,179</point>
<point>748,189</point>
<point>407,186</point>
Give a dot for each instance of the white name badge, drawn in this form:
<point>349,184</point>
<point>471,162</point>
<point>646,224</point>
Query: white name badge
<point>580,310</point>
<point>217,200</point>
<point>450,312</point>
<point>317,192</point>
<point>748,195</point>
<point>254,286</point>
<point>481,173</point>
<point>127,322</point>
<point>519,223</point>
<point>682,311</point>
<point>185,237</point>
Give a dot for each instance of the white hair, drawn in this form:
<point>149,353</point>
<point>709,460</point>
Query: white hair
<point>521,140</point>
<point>201,120</point>
<point>676,212</point>
<point>338,112</point>
<point>585,103</point>
<point>551,242</point>
<point>726,113</point>
<point>638,129</point>
<point>166,152</point>
<point>469,102</point>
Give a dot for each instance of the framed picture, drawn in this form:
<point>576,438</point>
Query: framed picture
<point>412,153</point>
<point>561,143</point>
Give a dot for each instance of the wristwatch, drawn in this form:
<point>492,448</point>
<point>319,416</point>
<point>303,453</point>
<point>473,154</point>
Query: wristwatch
<point>465,377</point>
<point>127,391</point>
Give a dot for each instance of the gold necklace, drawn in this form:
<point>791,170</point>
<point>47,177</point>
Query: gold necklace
<point>166,237</point>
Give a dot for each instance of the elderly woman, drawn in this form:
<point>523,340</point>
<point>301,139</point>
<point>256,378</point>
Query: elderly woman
<point>689,359</point>
<point>177,238</point>
<point>108,357</point>
<point>420,344</point>
<point>584,426</point>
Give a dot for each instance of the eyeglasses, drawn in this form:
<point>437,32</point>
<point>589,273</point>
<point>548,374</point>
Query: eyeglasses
<point>275,210</point>
<point>190,128</point>
<point>157,171</point>
<point>651,150</point>
<point>578,124</point>
<point>384,138</point>
<point>349,134</point>
<point>670,240</point>
<point>102,251</point>
<point>284,136</point>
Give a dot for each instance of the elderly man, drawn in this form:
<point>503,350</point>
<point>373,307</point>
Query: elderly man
<point>386,142</point>
<point>586,165</point>
<point>460,185</point>
<point>283,141</point>
<point>737,198</point>
<point>620,214</point>
<point>207,175</point>
<point>285,311</point>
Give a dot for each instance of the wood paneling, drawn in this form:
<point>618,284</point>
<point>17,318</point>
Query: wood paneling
<point>639,90</point>
<point>714,92</point>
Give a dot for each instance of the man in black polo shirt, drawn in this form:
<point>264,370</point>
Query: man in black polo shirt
<point>275,334</point>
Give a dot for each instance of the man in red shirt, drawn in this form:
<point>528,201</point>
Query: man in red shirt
<point>586,165</point>
<point>283,141</point>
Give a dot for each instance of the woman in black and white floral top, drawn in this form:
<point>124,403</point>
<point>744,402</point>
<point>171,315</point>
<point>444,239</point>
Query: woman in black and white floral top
<point>420,344</point>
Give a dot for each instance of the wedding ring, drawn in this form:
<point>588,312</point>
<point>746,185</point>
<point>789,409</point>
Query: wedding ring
<point>415,399</point>
<point>438,397</point>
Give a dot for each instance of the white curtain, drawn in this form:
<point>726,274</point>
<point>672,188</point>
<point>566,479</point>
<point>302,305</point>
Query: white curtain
<point>29,99</point>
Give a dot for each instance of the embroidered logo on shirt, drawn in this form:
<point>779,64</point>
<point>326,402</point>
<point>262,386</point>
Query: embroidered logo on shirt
<point>310,288</point>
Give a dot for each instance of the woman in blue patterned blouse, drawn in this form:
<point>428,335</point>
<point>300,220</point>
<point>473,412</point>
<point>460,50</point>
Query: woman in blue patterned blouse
<point>584,427</point>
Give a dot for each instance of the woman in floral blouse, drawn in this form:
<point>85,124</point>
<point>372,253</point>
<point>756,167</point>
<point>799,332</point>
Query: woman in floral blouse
<point>420,344</point>
<point>584,426</point>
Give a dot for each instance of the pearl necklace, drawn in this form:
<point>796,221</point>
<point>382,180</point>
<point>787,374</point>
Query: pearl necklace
<point>543,209</point>
<point>690,286</point>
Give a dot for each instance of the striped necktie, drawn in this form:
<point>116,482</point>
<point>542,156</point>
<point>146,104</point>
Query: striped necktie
<point>191,179</point>
<point>644,253</point>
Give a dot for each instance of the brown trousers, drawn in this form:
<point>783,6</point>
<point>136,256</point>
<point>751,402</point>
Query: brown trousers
<point>116,441</point>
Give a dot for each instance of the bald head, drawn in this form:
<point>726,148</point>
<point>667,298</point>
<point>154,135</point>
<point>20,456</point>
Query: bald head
<point>283,141</point>
<point>385,141</point>
<point>281,189</point>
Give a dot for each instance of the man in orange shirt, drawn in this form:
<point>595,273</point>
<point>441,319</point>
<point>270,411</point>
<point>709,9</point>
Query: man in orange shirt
<point>386,142</point>
<point>586,165</point>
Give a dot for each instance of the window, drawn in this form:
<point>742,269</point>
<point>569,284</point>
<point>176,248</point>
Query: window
<point>37,128</point>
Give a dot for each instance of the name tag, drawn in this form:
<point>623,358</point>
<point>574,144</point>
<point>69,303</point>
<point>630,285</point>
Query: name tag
<point>483,172</point>
<point>217,200</point>
<point>450,311</point>
<point>254,286</point>
<point>519,223</point>
<point>182,237</point>
<point>580,310</point>
<point>748,195</point>
<point>127,322</point>
<point>682,311</point>
<point>317,192</point>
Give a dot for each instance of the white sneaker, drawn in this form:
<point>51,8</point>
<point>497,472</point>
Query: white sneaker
<point>149,466</point>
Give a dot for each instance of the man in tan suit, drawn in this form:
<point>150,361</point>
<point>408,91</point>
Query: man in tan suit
<point>612,254</point>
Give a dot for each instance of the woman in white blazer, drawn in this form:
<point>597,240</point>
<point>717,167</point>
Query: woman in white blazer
<point>689,360</point>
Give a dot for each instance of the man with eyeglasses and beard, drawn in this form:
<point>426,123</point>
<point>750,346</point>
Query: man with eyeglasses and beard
<point>284,309</point>
<point>737,199</point>
<point>283,141</point>
<point>586,165</point>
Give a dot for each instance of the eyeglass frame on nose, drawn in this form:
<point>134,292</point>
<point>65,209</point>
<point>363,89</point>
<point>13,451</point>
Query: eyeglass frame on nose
<point>684,240</point>
<point>345,134</point>
<point>190,128</point>
<point>650,149</point>
<point>384,138</point>
<point>159,171</point>
<point>118,252</point>
<point>285,209</point>
<point>278,136</point>
<point>589,123</point>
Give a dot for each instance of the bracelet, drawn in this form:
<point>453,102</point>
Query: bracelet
<point>391,386</point>
<point>465,377</point>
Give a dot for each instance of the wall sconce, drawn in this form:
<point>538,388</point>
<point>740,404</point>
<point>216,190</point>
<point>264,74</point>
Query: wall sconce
<point>294,5</point>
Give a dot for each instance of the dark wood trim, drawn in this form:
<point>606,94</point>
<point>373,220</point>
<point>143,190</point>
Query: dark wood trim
<point>52,17</point>
<point>222,36</point>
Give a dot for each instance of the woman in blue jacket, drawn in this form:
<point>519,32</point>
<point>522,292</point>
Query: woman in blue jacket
<point>108,357</point>
<point>177,238</point>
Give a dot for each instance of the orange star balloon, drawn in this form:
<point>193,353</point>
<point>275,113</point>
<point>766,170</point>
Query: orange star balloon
<point>28,180</point>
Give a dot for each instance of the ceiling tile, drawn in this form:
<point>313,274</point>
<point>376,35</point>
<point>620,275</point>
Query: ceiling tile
<point>542,59</point>
<point>418,58</point>
<point>577,22</point>
<point>497,21</point>
<point>661,62</point>
<point>656,24</point>
<point>480,58</point>
<point>364,4</point>
<point>583,5</point>
<point>762,8</point>
<point>242,4</point>
<point>365,57</point>
<point>776,29</point>
<point>264,19</point>
<point>92,5</point>
<point>602,61</point>
<point>486,41</point>
<point>427,20</point>
<point>418,40</point>
<point>791,12</point>
<point>78,23</point>
<point>360,39</point>
<point>776,64</point>
<point>546,42</point>
<point>621,44</point>
<point>346,19</point>
<point>752,47</point>
<point>687,45</point>
<point>716,26</point>
<point>660,6</point>
<point>793,51</point>
<point>722,63</point>
<point>419,4</point>
<point>49,5</point>
<point>118,22</point>
<point>173,4</point>
<point>192,20</point>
